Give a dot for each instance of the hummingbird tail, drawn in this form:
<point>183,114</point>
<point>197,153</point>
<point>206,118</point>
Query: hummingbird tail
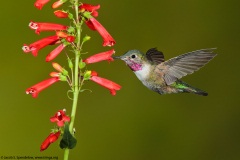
<point>190,89</point>
<point>198,91</point>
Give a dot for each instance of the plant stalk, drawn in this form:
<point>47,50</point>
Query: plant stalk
<point>76,76</point>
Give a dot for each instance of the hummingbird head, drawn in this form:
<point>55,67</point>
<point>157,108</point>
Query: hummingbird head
<point>134,59</point>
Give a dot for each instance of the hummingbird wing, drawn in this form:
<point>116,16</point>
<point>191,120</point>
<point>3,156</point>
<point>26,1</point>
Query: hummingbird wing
<point>185,64</point>
<point>155,56</point>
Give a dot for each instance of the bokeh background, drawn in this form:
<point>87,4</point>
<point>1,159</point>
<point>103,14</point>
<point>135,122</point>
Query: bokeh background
<point>136,124</point>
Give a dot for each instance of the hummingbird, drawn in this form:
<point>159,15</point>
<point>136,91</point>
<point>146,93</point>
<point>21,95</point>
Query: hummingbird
<point>163,76</point>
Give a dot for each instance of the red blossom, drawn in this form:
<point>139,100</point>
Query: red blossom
<point>93,24</point>
<point>37,88</point>
<point>60,117</point>
<point>38,27</point>
<point>50,139</point>
<point>40,3</point>
<point>90,8</point>
<point>36,46</point>
<point>100,57</point>
<point>61,14</point>
<point>112,86</point>
<point>55,52</point>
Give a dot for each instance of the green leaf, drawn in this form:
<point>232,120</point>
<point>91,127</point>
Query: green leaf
<point>68,141</point>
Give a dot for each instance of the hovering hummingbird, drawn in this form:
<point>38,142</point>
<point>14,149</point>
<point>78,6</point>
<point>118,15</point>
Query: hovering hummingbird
<point>163,76</point>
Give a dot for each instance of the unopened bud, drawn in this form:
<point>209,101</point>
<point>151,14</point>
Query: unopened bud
<point>86,38</point>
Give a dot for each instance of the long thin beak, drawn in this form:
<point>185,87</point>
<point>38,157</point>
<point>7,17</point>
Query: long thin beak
<point>117,57</point>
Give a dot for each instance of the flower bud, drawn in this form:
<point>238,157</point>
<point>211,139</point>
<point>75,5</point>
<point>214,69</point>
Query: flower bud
<point>86,38</point>
<point>61,14</point>
<point>59,68</point>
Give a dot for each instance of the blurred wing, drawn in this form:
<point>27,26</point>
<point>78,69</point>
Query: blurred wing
<point>155,56</point>
<point>185,64</point>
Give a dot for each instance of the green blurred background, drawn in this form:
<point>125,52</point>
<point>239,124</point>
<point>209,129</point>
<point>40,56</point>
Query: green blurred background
<point>136,124</point>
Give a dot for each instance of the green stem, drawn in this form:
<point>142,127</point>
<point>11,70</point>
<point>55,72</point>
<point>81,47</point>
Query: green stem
<point>76,77</point>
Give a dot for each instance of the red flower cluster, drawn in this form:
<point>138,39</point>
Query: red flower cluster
<point>51,40</point>
<point>37,88</point>
<point>62,37</point>
<point>112,86</point>
<point>108,40</point>
<point>93,24</point>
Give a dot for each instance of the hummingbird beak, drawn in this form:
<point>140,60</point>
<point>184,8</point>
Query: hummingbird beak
<point>117,57</point>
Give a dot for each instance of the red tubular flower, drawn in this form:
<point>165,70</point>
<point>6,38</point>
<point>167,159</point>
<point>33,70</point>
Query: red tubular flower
<point>93,24</point>
<point>90,8</point>
<point>100,57</point>
<point>58,3</point>
<point>40,3</point>
<point>113,87</point>
<point>60,117</point>
<point>37,88</point>
<point>61,14</point>
<point>55,53</point>
<point>38,27</point>
<point>50,139</point>
<point>36,46</point>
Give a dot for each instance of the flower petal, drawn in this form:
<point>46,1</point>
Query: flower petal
<point>100,57</point>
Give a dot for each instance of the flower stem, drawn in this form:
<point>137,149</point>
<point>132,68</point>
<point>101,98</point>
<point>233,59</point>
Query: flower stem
<point>76,76</point>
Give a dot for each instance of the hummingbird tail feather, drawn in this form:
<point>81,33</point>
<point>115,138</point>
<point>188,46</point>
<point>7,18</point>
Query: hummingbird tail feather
<point>190,89</point>
<point>196,91</point>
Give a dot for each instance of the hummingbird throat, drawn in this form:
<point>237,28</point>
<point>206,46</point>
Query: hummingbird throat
<point>135,66</point>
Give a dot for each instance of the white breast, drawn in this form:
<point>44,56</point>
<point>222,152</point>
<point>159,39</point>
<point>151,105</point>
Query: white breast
<point>143,74</point>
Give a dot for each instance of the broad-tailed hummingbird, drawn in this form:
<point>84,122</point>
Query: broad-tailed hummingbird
<point>163,76</point>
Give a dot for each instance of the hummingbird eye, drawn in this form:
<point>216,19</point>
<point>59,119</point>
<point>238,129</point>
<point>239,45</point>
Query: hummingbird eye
<point>133,56</point>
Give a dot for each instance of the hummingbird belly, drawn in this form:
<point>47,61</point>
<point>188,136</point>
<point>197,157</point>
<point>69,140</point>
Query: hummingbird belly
<point>160,88</point>
<point>144,73</point>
